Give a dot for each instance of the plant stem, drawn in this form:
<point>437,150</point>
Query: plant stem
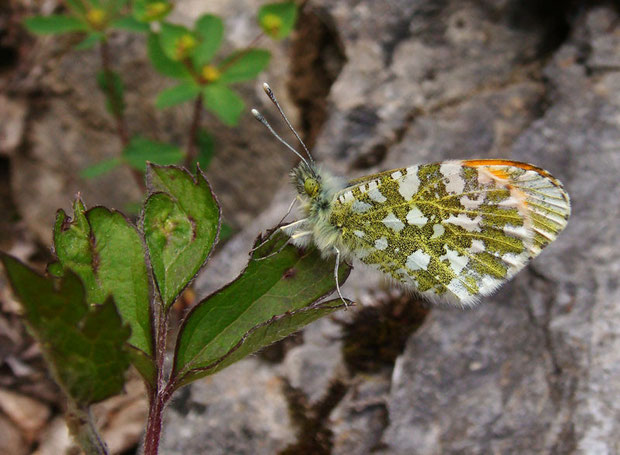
<point>192,149</point>
<point>160,394</point>
<point>119,117</point>
<point>82,428</point>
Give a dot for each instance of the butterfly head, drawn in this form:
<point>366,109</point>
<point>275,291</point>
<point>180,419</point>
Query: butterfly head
<point>316,187</point>
<point>307,180</point>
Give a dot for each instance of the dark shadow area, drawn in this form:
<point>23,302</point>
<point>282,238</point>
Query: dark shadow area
<point>317,57</point>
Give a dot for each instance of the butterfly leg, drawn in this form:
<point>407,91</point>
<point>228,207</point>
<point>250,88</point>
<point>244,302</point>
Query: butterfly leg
<point>288,242</point>
<point>279,250</point>
<point>346,305</point>
<point>290,208</point>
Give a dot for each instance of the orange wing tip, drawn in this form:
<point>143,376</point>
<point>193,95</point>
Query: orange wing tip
<point>518,164</point>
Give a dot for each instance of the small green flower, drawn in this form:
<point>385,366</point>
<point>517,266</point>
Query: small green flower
<point>184,46</point>
<point>156,11</point>
<point>272,24</point>
<point>210,73</point>
<point>97,18</point>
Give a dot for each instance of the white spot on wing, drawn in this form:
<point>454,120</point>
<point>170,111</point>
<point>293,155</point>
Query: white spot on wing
<point>376,195</point>
<point>438,231</point>
<point>361,206</point>
<point>418,260</point>
<point>381,244</point>
<point>360,234</point>
<point>451,170</point>
<point>472,203</point>
<point>519,232</point>
<point>348,196</point>
<point>409,184</point>
<point>511,202</point>
<point>416,217</point>
<point>392,222</point>
<point>477,246</point>
<point>465,222</point>
<point>456,261</point>
<point>458,288</point>
<point>396,175</point>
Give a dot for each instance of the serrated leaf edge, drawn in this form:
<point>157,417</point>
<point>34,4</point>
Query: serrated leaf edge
<point>142,241</point>
<point>199,172</point>
<point>195,307</point>
<point>316,305</point>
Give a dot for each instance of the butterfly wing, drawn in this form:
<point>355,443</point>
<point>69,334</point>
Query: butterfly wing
<point>454,230</point>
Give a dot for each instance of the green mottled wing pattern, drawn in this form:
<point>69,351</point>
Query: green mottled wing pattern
<point>455,229</point>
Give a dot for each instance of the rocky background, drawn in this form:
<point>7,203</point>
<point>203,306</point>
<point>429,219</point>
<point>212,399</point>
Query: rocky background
<point>372,85</point>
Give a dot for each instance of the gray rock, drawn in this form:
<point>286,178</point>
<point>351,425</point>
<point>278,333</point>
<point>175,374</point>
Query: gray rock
<point>535,368</point>
<point>240,410</point>
<point>12,123</point>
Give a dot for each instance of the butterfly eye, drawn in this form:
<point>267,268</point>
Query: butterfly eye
<point>311,187</point>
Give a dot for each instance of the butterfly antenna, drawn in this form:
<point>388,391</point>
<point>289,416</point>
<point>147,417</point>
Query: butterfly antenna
<point>274,100</point>
<point>258,116</point>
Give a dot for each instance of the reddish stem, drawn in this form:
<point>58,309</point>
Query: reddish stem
<point>160,394</point>
<point>154,422</point>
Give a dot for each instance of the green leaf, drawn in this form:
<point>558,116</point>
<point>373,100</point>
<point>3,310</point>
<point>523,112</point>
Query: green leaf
<point>206,148</point>
<point>210,30</point>
<point>278,19</point>
<point>89,41</point>
<point>262,335</point>
<point>144,364</point>
<point>180,223</point>
<point>244,65</point>
<point>116,5</point>
<point>177,42</point>
<point>83,345</point>
<point>151,10</point>
<point>130,24</point>
<point>77,6</point>
<point>100,168</point>
<point>106,252</point>
<point>54,269</point>
<point>161,62</point>
<point>140,150</point>
<point>54,24</point>
<point>112,87</point>
<point>178,94</point>
<point>224,103</point>
<point>216,331</point>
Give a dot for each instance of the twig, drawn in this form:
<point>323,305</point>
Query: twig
<point>119,117</point>
<point>159,394</point>
<point>242,52</point>
<point>192,149</point>
<point>81,426</point>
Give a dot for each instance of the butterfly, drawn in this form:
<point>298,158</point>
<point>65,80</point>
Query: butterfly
<point>451,231</point>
